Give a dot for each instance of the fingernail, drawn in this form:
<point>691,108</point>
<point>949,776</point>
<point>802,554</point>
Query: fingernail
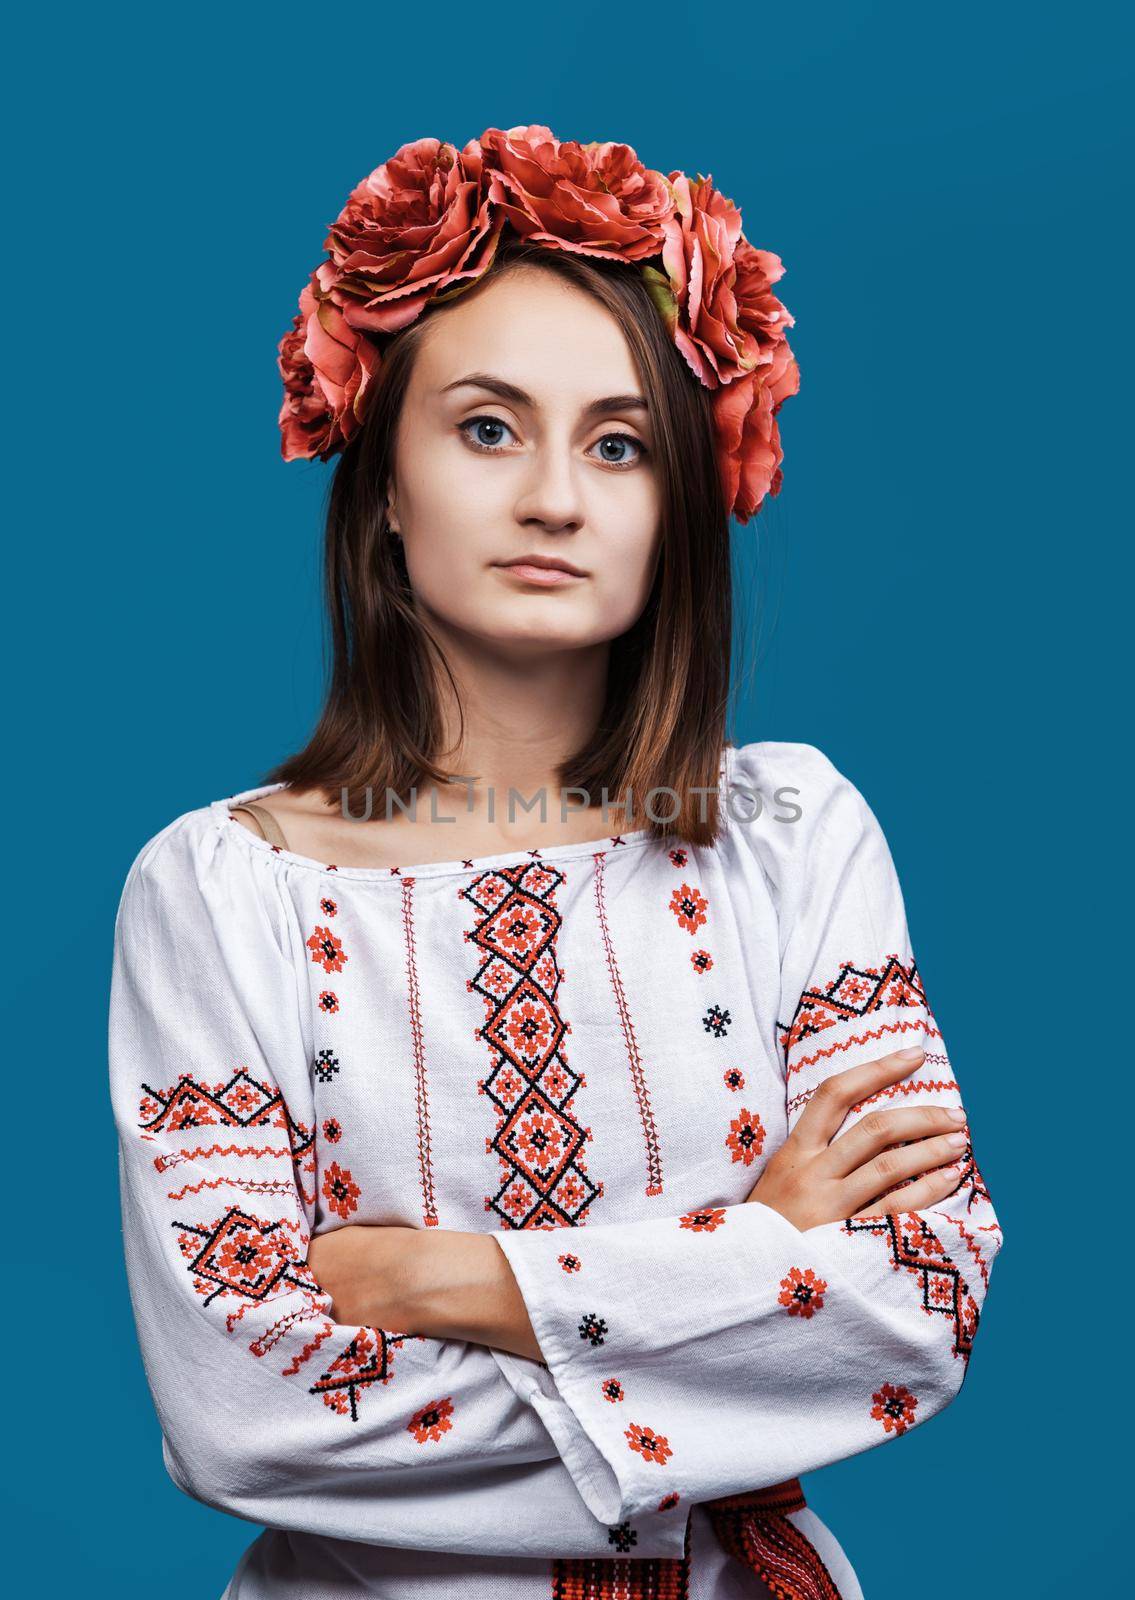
<point>909,1055</point>
<point>956,1139</point>
<point>957,1114</point>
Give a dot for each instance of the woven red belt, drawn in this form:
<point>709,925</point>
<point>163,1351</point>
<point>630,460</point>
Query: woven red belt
<point>754,1528</point>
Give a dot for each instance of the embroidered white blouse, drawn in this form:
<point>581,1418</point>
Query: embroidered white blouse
<point>592,1050</point>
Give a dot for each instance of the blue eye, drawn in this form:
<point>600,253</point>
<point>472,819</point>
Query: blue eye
<point>474,430</point>
<point>483,422</point>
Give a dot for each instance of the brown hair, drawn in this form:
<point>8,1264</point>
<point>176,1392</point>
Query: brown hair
<point>663,721</point>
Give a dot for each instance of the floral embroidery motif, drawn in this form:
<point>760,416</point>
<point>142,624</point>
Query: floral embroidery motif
<point>802,1292</point>
<point>734,1078</point>
<point>746,1138</point>
<point>612,1390</point>
<point>328,1002</point>
<point>242,1102</point>
<point>365,1360</point>
<point>325,1065</point>
<point>326,950</point>
<point>241,1255</point>
<point>716,1021</point>
<point>703,1221</point>
<point>854,992</point>
<point>329,908</point>
<point>678,858</point>
<point>701,961</point>
<point>332,1131</point>
<point>570,1263</point>
<point>622,1536</point>
<point>668,1501</point>
<point>340,1190</point>
<point>432,1420</point>
<point>592,1328</point>
<point>650,1446</point>
<point>894,1407</point>
<point>539,1141</point>
<point>689,906</point>
<point>917,1249</point>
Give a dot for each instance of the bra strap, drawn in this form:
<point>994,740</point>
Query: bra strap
<point>269,827</point>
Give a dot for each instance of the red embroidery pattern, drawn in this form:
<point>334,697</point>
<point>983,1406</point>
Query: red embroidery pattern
<point>246,1262</point>
<point>328,1002</point>
<point>329,908</point>
<point>649,1445</point>
<point>894,1407</point>
<point>593,1578</point>
<point>421,1090</point>
<point>432,1420</point>
<point>853,993</point>
<point>612,1390</point>
<point>366,1360</point>
<point>917,1249</point>
<point>539,1141</point>
<point>802,1292</point>
<point>746,1137</point>
<point>756,1530</point>
<point>734,1078</point>
<point>701,961</point>
<point>703,1221</point>
<point>340,1190</point>
<point>242,1102</point>
<point>689,905</point>
<point>569,1263</point>
<point>630,1041</point>
<point>326,950</point>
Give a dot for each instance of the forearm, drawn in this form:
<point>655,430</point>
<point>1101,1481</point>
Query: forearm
<point>464,1289</point>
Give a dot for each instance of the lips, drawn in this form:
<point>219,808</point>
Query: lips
<point>545,563</point>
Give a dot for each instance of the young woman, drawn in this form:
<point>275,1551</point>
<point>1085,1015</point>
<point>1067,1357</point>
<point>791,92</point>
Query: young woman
<point>537,1145</point>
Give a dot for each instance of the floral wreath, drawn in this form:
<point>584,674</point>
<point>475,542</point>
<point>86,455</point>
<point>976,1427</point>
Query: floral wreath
<point>426,224</point>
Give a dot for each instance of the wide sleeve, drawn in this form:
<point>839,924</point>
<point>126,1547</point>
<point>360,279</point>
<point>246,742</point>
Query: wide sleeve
<point>724,1349</point>
<point>269,1408</point>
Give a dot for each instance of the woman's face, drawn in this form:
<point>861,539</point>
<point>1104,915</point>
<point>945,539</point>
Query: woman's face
<point>524,433</point>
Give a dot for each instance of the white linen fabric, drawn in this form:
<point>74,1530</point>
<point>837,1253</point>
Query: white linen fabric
<point>610,1038</point>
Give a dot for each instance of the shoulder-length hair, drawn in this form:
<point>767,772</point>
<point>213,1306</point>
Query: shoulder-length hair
<point>659,740</point>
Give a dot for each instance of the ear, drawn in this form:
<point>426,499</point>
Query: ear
<point>391,513</point>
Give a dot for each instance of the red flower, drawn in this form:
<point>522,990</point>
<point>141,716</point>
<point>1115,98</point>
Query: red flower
<point>340,1190</point>
<point>414,226</point>
<point>650,1445</point>
<point>593,199</point>
<point>431,1421</point>
<point>689,906</point>
<point>802,1292</point>
<point>703,1221</point>
<point>894,1407</point>
<point>746,1136</point>
<point>326,950</point>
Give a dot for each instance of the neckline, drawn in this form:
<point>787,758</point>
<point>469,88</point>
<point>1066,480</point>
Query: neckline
<point>605,845</point>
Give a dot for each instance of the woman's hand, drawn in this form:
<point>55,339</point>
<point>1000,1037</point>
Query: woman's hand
<point>813,1178</point>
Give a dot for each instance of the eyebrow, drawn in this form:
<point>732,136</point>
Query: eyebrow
<point>510,391</point>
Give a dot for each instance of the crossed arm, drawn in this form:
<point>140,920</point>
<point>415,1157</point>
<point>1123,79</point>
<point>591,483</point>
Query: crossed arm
<point>448,1284</point>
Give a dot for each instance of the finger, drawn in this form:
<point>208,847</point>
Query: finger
<point>930,1189</point>
<point>882,1172</point>
<point>828,1106</point>
<point>879,1129</point>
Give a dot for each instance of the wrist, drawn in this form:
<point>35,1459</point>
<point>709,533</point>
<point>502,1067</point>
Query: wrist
<point>458,1278</point>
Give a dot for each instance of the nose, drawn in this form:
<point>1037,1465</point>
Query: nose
<point>551,497</point>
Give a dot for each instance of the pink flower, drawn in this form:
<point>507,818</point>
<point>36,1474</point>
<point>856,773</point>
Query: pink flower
<point>594,199</point>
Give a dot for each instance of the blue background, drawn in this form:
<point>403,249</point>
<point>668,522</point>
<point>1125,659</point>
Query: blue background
<point>938,600</point>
